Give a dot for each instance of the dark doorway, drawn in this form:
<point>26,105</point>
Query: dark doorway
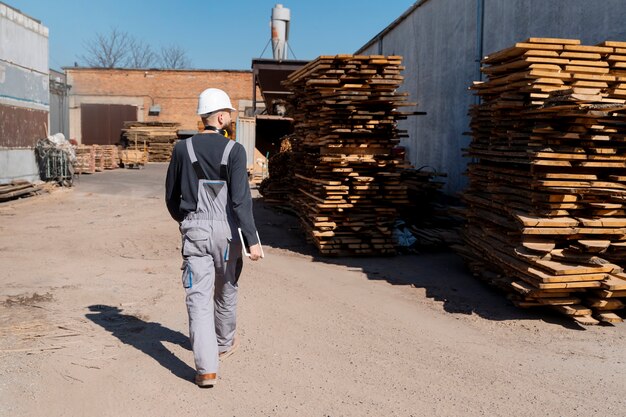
<point>269,134</point>
<point>102,124</point>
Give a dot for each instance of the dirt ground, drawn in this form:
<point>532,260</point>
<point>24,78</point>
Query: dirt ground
<point>93,322</point>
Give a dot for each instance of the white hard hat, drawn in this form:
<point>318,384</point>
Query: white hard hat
<point>213,99</point>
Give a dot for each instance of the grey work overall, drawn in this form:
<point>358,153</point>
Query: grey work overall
<point>211,267</point>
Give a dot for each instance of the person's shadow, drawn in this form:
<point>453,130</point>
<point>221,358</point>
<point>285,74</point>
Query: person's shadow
<point>144,336</point>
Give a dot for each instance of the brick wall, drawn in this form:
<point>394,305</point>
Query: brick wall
<point>176,91</point>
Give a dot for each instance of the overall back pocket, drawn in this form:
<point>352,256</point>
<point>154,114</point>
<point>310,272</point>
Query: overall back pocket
<point>196,242</point>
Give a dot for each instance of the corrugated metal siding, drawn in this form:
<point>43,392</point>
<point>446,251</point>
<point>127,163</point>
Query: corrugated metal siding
<point>439,41</point>
<point>21,127</point>
<point>246,135</point>
<point>59,120</point>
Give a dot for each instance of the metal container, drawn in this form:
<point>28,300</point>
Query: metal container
<point>246,135</point>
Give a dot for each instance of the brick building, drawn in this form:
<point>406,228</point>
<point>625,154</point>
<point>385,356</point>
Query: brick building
<point>101,99</point>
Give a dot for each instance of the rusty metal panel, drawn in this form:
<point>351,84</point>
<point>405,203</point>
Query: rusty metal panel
<point>21,127</point>
<point>102,124</point>
<point>118,115</point>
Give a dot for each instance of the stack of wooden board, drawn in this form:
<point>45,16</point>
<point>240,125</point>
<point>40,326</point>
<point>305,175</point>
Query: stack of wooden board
<point>545,216</point>
<point>422,184</point>
<point>98,157</point>
<point>158,137</point>
<point>133,158</point>
<point>277,188</point>
<point>18,188</point>
<point>85,159</point>
<point>427,214</point>
<point>111,158</point>
<point>347,184</point>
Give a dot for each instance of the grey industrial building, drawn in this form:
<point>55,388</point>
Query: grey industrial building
<point>442,42</point>
<point>24,93</point>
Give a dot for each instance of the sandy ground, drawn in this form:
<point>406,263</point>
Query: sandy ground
<point>92,322</point>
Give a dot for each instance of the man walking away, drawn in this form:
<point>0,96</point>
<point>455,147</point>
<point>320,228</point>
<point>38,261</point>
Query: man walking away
<point>208,194</point>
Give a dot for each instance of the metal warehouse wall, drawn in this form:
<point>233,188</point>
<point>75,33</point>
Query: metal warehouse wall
<point>24,96</point>
<point>440,42</point>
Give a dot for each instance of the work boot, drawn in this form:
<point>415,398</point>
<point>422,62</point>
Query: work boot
<point>206,380</point>
<point>231,350</point>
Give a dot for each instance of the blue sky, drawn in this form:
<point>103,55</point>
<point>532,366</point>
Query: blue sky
<point>215,34</point>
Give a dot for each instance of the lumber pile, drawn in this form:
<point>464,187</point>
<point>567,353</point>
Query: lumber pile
<point>98,157</point>
<point>158,137</point>
<point>17,189</point>
<point>545,218</point>
<point>95,158</point>
<point>85,159</point>
<point>133,158</point>
<point>277,188</point>
<point>347,184</point>
<point>110,157</point>
<point>428,213</point>
<point>423,188</point>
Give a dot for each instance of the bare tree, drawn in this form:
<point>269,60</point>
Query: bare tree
<point>119,49</point>
<point>174,57</point>
<point>107,51</point>
<point>140,55</point>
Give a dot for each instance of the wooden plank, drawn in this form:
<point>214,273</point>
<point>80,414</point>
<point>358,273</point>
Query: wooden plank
<point>614,282</point>
<point>604,304</point>
<point>561,268</point>
<point>608,317</point>
<point>586,48</point>
<point>533,221</point>
<point>558,41</point>
<point>586,320</point>
<point>574,310</point>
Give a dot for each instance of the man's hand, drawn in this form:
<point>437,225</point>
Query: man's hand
<point>255,252</point>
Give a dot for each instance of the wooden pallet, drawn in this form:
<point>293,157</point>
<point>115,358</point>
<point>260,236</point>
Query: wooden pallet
<point>17,189</point>
<point>111,158</point>
<point>133,158</point>
<point>85,159</point>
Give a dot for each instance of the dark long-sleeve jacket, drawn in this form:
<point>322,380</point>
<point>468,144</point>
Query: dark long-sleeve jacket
<point>181,184</point>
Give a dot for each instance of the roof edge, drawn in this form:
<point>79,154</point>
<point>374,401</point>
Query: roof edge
<point>392,25</point>
<point>156,69</point>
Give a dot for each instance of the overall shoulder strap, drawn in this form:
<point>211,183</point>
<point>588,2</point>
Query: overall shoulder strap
<point>194,161</point>
<point>224,163</point>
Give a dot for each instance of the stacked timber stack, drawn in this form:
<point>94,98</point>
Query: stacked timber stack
<point>422,185</point>
<point>427,215</point>
<point>85,159</point>
<point>546,217</point>
<point>98,157</point>
<point>277,188</point>
<point>111,157</point>
<point>158,137</point>
<point>347,182</point>
<point>133,158</point>
<point>17,189</point>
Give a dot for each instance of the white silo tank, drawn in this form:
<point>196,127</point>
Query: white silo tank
<point>280,31</point>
